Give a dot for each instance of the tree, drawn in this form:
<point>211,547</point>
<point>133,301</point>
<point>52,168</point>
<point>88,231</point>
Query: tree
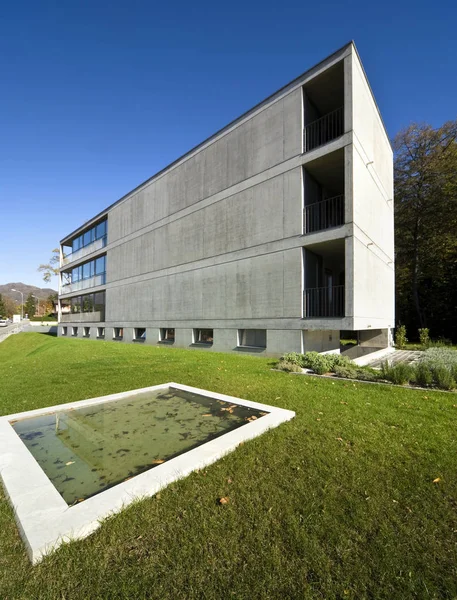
<point>425,227</point>
<point>51,302</point>
<point>2,307</point>
<point>30,306</point>
<point>52,268</point>
<point>11,306</point>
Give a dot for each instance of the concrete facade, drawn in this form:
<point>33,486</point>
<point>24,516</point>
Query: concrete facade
<point>280,222</point>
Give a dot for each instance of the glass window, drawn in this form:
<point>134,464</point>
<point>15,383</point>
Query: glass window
<point>76,304</point>
<point>100,230</point>
<point>88,270</point>
<point>100,265</point>
<point>167,335</point>
<point>88,237</point>
<point>99,301</point>
<point>88,303</point>
<point>252,337</point>
<point>74,331</point>
<point>86,331</point>
<point>203,336</point>
<point>76,245</point>
<point>64,331</point>
<point>140,333</point>
<point>76,274</point>
<point>100,332</point>
<point>118,333</point>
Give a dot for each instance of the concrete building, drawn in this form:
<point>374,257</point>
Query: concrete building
<point>272,235</point>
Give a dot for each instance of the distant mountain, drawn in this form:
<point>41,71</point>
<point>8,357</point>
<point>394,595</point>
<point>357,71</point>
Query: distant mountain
<point>41,293</point>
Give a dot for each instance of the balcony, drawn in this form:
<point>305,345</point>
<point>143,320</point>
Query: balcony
<point>323,215</point>
<point>324,302</point>
<point>85,251</point>
<point>83,284</point>
<point>323,130</point>
<point>84,317</point>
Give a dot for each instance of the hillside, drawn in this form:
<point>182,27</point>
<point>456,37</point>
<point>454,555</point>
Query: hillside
<point>41,293</point>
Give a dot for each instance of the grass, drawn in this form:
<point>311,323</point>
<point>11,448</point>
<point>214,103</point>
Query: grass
<point>338,503</point>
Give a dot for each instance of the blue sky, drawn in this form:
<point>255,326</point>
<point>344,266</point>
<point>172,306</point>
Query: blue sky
<point>95,97</point>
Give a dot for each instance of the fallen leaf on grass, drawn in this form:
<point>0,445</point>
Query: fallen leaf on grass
<point>70,462</point>
<point>224,500</point>
<point>208,414</point>
<point>437,480</point>
<point>340,439</point>
<point>158,461</point>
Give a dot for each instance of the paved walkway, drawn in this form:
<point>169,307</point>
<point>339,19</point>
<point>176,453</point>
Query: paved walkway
<point>406,356</point>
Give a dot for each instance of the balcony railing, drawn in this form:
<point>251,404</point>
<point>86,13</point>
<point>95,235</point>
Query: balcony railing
<point>324,302</point>
<point>83,284</point>
<point>83,317</point>
<point>324,130</point>
<point>324,215</point>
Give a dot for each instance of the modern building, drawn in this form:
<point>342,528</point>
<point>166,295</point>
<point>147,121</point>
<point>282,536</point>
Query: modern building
<point>273,235</point>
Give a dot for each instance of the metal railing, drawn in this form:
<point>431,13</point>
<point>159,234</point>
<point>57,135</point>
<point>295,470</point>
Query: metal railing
<point>323,130</point>
<point>83,284</point>
<point>324,302</point>
<point>324,215</point>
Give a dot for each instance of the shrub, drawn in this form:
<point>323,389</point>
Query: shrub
<point>338,360</point>
<point>289,367</point>
<point>424,337</point>
<point>399,374</point>
<point>423,374</point>
<point>400,337</point>
<point>440,357</point>
<point>293,357</point>
<point>346,372</point>
<point>319,363</point>
<point>367,374</point>
<point>443,378</point>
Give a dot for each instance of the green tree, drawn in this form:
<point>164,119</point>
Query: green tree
<point>2,307</point>
<point>425,228</point>
<point>30,306</point>
<point>52,268</point>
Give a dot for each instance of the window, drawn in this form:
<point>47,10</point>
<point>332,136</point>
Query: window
<point>74,331</point>
<point>118,333</point>
<point>254,338</point>
<point>100,332</point>
<point>87,270</point>
<point>64,331</point>
<point>139,334</point>
<point>86,331</point>
<point>76,304</point>
<point>167,335</point>
<point>203,336</point>
<point>100,265</point>
<point>89,236</point>
<point>99,301</point>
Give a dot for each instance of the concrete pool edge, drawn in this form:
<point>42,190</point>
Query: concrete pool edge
<point>44,519</point>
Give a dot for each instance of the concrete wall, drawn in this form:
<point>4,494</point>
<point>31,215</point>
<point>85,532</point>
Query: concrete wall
<point>372,189</point>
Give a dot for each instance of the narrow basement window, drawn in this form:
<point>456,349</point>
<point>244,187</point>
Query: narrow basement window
<point>64,330</point>
<point>203,336</point>
<point>252,338</point>
<point>86,331</point>
<point>167,335</point>
<point>100,332</point>
<point>139,334</point>
<point>74,331</point>
<point>118,333</point>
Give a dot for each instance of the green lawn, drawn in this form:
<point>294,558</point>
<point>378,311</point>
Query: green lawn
<point>338,503</point>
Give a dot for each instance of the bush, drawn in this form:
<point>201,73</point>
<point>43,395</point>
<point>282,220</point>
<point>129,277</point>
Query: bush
<point>319,363</point>
<point>423,374</point>
<point>399,374</point>
<point>346,372</point>
<point>293,357</point>
<point>338,360</point>
<point>440,357</point>
<point>400,337</point>
<point>424,337</point>
<point>444,379</point>
<point>367,374</point>
<point>289,367</point>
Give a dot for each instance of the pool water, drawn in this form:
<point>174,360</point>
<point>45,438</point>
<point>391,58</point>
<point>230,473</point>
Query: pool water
<point>87,450</point>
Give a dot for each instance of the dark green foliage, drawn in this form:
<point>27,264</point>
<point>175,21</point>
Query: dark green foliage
<point>423,375</point>
<point>425,228</point>
<point>424,337</point>
<point>293,357</point>
<point>400,374</point>
<point>346,372</point>
<point>319,363</point>
<point>2,307</point>
<point>444,379</point>
<point>400,337</point>
<point>30,306</point>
